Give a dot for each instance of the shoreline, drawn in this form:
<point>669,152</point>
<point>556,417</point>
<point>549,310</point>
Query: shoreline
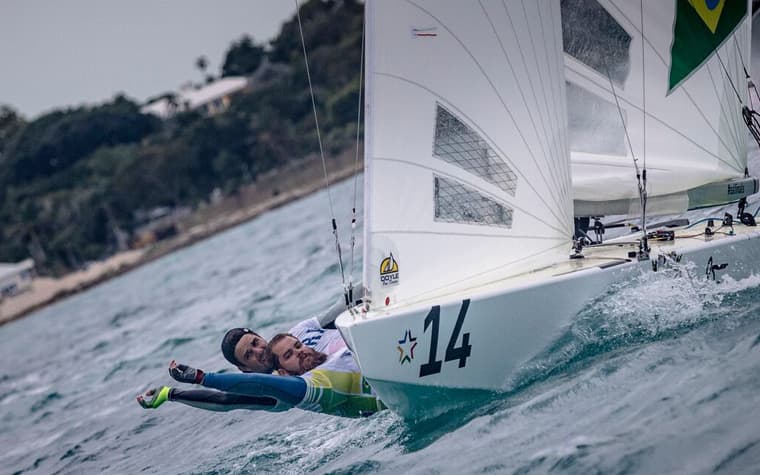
<point>302,178</point>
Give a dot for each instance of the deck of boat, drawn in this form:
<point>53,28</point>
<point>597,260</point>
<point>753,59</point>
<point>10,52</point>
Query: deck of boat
<point>612,253</point>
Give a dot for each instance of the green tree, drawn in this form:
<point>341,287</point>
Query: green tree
<point>10,124</point>
<point>59,139</point>
<point>243,58</point>
<point>72,181</point>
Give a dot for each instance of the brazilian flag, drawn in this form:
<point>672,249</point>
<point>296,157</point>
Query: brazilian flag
<point>701,26</point>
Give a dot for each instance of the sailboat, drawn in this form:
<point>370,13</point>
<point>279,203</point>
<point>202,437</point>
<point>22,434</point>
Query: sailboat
<point>495,131</point>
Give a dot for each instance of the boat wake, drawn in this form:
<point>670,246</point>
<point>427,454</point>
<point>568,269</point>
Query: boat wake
<point>653,306</point>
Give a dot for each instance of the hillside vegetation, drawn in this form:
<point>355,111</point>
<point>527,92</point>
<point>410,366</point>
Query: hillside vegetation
<point>75,183</point>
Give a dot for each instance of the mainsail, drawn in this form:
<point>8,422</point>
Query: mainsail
<point>467,177</point>
<point>683,63</point>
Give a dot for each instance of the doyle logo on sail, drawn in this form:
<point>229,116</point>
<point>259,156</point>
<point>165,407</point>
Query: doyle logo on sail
<point>389,271</point>
<point>701,27</point>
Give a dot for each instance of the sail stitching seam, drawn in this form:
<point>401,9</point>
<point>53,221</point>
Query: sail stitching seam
<point>482,134</point>
<point>552,91</point>
<point>654,117</point>
<point>544,146</point>
<point>559,64</point>
<point>556,206</point>
<point>734,139</point>
<point>474,186</point>
<point>538,70</point>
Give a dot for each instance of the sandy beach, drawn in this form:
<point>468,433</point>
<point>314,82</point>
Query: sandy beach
<point>45,290</point>
<point>270,191</point>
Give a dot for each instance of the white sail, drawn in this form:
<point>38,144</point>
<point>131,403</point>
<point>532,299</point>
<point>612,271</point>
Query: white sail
<point>692,135</point>
<point>467,177</point>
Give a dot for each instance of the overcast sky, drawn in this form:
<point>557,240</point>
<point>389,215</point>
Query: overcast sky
<point>63,53</point>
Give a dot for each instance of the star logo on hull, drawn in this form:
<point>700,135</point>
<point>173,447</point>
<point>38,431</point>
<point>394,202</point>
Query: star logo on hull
<point>406,348</point>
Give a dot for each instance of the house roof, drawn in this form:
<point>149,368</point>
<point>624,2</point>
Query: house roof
<point>213,91</point>
<point>188,99</point>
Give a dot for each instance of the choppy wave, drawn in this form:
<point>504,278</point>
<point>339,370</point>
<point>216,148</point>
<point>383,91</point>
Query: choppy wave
<point>658,375</point>
<point>650,307</point>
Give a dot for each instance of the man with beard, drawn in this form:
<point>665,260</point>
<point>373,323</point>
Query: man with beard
<point>246,349</point>
<point>310,380</point>
<point>334,382</point>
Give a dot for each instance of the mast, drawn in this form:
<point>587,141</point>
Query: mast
<point>369,100</point>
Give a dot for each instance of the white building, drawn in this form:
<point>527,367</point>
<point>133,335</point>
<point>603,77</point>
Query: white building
<point>15,278</point>
<point>210,98</point>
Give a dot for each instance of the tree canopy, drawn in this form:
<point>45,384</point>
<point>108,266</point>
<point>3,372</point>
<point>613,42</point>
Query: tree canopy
<point>72,181</point>
<point>243,58</point>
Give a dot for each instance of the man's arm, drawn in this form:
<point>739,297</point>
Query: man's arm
<point>209,400</point>
<point>339,394</point>
<point>287,389</point>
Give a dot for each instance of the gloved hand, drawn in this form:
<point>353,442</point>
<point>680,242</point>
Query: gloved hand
<point>153,398</point>
<point>185,374</point>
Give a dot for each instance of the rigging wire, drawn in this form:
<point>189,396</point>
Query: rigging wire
<point>356,171</point>
<point>644,248</point>
<point>730,80</point>
<point>641,186</point>
<point>748,112</point>
<point>747,76</point>
<point>322,153</point>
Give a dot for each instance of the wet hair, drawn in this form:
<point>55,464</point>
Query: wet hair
<point>231,339</point>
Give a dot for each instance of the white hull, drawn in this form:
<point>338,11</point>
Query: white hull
<point>507,323</point>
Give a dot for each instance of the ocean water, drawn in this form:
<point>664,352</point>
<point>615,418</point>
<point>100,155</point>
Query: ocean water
<point>661,375</point>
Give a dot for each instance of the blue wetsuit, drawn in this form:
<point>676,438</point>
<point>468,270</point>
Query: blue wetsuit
<point>334,387</point>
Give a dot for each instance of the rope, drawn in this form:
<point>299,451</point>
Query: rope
<point>751,119</point>
<point>622,120</point>
<point>731,81</point>
<point>702,221</point>
<point>750,85</point>
<point>642,187</point>
<point>356,170</point>
<point>741,57</point>
<point>644,247</point>
<point>321,150</point>
<point>748,113</point>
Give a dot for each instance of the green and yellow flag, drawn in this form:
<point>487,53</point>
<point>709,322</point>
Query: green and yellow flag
<point>701,26</point>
